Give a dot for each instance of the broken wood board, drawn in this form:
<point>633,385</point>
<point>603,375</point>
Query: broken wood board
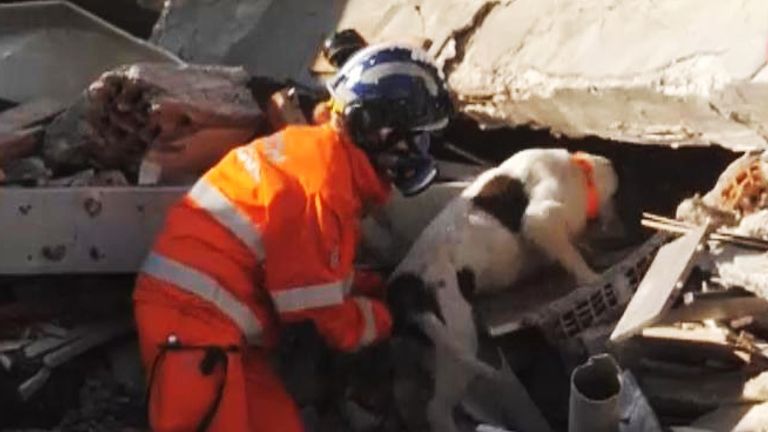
<point>29,114</point>
<point>665,277</point>
<point>716,308</point>
<point>698,344</point>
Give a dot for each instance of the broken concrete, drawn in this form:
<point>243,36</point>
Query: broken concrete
<point>43,56</point>
<point>637,71</point>
<point>278,39</point>
<point>673,73</point>
<point>196,113</point>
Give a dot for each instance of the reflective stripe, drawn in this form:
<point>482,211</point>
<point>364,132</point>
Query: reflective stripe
<point>205,287</point>
<point>251,166</point>
<point>274,148</point>
<point>208,197</point>
<point>369,331</point>
<point>312,296</point>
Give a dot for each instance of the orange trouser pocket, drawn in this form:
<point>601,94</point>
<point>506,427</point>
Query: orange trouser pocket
<point>186,385</point>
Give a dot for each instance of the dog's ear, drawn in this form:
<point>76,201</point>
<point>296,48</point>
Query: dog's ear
<point>504,198</point>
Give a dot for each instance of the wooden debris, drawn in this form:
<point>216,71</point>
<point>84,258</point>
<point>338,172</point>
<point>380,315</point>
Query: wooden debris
<point>679,227</point>
<point>662,282</point>
<point>698,343</point>
<point>157,107</point>
<point>717,306</point>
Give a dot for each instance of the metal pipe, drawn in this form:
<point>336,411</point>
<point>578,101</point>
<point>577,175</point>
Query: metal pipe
<point>594,401</point>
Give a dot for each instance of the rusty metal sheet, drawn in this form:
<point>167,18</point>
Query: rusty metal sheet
<point>668,271</point>
<point>79,230</point>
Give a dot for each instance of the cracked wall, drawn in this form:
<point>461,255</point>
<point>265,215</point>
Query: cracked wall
<point>677,72</point>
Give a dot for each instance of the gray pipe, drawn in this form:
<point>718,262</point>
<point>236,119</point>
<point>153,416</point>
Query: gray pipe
<point>594,403</point>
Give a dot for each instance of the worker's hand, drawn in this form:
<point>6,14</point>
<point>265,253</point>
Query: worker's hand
<point>369,283</point>
<point>382,319</point>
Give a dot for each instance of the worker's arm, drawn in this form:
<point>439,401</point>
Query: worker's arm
<point>347,323</point>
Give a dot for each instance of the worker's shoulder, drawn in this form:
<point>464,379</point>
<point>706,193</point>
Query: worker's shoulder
<point>322,132</point>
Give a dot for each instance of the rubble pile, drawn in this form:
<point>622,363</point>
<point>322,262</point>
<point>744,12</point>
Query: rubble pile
<point>694,333</point>
<point>576,68</point>
<point>674,335</point>
<point>167,112</point>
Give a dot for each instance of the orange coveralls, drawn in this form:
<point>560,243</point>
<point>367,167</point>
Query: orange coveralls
<point>266,236</point>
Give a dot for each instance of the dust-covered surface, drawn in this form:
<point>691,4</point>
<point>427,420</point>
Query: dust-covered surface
<point>623,70</point>
<point>643,71</point>
<point>43,56</point>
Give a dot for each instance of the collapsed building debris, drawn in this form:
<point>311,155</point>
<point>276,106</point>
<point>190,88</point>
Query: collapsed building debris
<point>43,56</point>
<point>565,67</point>
<point>182,118</point>
<point>156,124</point>
<point>277,39</point>
<point>695,313</point>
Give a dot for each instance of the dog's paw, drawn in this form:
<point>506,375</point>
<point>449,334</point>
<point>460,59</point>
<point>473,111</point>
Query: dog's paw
<point>588,277</point>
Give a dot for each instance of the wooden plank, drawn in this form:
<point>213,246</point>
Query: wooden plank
<point>717,308</point>
<point>29,114</point>
<point>664,278</point>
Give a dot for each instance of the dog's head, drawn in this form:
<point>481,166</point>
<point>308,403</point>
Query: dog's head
<point>605,178</point>
<point>609,227</point>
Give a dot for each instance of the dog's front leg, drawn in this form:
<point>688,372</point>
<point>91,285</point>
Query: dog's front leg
<point>452,377</point>
<point>545,225</point>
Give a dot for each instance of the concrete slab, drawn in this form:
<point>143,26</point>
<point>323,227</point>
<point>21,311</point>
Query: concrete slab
<point>54,49</point>
<point>689,72</point>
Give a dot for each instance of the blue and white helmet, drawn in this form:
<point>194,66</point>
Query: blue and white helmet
<point>401,83</point>
<point>397,89</point>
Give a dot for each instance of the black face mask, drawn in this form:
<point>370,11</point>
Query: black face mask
<point>405,159</point>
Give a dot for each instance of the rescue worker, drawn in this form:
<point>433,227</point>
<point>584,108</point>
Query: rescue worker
<point>268,236</point>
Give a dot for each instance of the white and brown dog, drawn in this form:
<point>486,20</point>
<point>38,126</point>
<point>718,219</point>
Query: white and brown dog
<point>512,220</point>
